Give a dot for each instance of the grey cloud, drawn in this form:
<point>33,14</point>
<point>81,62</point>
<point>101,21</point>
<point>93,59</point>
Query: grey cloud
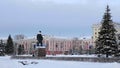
<point>57,17</point>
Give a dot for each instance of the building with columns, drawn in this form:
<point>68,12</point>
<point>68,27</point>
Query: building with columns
<point>56,45</point>
<point>26,43</point>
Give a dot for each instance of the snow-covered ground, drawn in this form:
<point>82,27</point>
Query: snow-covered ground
<point>6,62</point>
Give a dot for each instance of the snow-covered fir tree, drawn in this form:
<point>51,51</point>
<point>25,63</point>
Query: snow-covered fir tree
<point>106,43</point>
<point>9,48</point>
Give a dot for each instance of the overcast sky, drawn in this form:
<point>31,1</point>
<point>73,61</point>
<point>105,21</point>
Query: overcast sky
<point>54,17</point>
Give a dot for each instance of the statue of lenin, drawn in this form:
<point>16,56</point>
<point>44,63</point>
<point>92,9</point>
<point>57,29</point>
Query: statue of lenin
<point>39,39</point>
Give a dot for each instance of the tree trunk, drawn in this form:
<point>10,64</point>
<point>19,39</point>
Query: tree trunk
<point>107,55</point>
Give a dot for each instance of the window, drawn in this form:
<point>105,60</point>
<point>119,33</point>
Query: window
<point>56,45</point>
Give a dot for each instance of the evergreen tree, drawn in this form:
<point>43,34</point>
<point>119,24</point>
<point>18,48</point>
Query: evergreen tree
<point>106,43</point>
<point>19,49</point>
<point>2,48</point>
<point>9,46</point>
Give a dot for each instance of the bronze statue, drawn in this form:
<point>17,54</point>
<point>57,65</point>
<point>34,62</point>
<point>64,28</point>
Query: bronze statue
<point>39,38</point>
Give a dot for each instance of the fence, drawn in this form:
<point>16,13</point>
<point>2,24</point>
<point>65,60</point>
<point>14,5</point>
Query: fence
<point>83,59</point>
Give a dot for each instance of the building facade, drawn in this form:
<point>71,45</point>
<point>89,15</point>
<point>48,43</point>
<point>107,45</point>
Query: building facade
<point>26,43</point>
<point>57,45</point>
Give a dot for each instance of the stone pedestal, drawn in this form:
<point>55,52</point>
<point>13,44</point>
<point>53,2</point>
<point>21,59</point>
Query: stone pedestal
<point>40,52</point>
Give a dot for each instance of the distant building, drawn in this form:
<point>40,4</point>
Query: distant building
<point>19,37</point>
<point>26,43</point>
<point>56,45</point>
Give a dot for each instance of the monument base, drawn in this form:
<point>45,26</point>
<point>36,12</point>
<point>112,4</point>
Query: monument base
<point>40,52</point>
